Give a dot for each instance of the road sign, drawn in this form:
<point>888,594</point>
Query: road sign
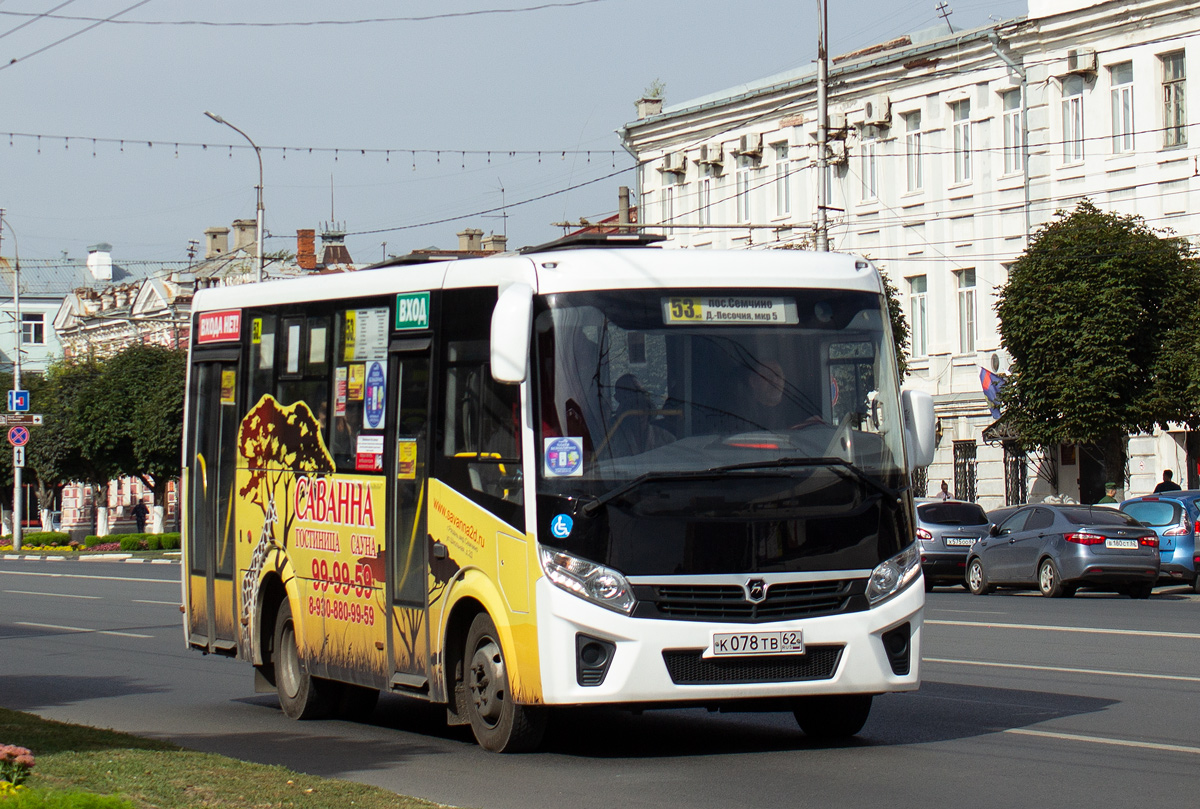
<point>18,401</point>
<point>18,457</point>
<point>24,419</point>
<point>18,436</point>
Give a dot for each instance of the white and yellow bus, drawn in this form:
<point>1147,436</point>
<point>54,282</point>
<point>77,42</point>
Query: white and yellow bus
<point>610,474</point>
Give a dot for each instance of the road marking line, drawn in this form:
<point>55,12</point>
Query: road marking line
<point>1062,669</point>
<point>174,582</point>
<point>81,629</point>
<point>147,601</point>
<point>58,595</point>
<point>1075,737</point>
<point>1149,633</point>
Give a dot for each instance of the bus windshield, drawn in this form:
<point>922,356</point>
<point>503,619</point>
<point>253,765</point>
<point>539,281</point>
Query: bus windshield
<point>664,383</point>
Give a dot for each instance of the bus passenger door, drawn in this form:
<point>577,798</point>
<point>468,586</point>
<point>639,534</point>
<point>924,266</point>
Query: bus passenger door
<point>407,544</point>
<point>212,532</point>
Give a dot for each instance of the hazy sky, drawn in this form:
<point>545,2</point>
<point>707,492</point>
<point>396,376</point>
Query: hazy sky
<point>496,76</point>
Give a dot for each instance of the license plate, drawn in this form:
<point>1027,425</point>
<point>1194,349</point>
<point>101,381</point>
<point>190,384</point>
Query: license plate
<point>953,541</point>
<point>742,644</point>
<point>1121,543</point>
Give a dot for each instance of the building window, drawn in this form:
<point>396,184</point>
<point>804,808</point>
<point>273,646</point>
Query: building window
<point>918,316</point>
<point>703,201</point>
<point>33,329</point>
<point>1121,77</point>
<point>668,204</point>
<point>965,471</point>
<point>1016,475</point>
<point>966,311</point>
<point>912,150</point>
<point>1072,119</point>
<point>1174,102</point>
<point>783,181</point>
<point>1014,140</point>
<point>868,169</point>
<point>743,189</point>
<point>961,111</point>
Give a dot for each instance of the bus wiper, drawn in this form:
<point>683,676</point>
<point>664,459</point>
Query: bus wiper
<point>629,486</point>
<point>839,465</point>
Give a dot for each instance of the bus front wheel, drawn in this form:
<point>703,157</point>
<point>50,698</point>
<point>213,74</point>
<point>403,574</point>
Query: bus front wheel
<point>832,718</point>
<point>499,723</point>
<point>301,696</point>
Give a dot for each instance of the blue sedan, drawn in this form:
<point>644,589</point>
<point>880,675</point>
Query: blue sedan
<point>1060,548</point>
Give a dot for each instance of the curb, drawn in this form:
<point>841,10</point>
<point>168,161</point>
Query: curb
<point>101,557</point>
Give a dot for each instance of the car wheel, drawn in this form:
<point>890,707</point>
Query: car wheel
<point>1139,590</point>
<point>1196,584</point>
<point>832,718</point>
<point>499,723</point>
<point>301,696</point>
<point>928,585</point>
<point>1048,581</point>
<point>977,581</point>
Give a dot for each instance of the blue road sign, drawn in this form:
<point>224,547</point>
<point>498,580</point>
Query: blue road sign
<point>18,401</point>
<point>18,436</point>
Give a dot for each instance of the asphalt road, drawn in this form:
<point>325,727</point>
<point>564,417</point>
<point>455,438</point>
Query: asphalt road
<point>1087,701</point>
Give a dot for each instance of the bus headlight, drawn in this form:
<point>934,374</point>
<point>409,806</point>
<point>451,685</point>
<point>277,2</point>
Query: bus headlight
<point>894,575</point>
<point>596,583</point>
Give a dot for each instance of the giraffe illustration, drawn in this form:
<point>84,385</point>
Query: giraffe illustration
<point>253,575</point>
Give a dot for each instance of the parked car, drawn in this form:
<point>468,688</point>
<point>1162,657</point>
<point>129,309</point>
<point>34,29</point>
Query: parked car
<point>1175,517</point>
<point>999,515</point>
<point>1060,548</point>
<point>946,530</point>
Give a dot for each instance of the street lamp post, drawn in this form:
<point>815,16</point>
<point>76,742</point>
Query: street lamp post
<point>258,154</point>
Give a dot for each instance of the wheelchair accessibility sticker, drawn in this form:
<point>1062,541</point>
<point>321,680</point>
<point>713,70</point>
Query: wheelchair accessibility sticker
<point>560,526</point>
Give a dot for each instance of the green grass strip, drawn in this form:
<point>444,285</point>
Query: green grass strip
<point>157,775</point>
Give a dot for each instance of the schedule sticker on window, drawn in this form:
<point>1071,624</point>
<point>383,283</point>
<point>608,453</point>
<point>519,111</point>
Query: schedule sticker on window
<point>563,457</point>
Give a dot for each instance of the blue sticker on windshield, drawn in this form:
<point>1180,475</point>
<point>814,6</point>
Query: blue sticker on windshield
<point>561,525</point>
<point>563,457</point>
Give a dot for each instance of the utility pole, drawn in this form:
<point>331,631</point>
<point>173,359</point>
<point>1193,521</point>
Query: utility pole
<point>822,234</point>
<point>17,515</point>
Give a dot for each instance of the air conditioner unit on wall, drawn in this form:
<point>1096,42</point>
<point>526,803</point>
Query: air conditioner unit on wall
<point>1081,60</point>
<point>675,163</point>
<point>712,154</point>
<point>750,144</point>
<point>877,110</point>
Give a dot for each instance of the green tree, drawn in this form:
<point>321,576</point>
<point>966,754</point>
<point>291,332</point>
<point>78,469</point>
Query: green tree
<point>1100,317</point>
<point>141,408</point>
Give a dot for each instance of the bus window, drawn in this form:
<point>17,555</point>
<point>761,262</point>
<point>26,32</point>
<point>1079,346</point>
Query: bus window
<point>262,356</point>
<point>481,428</point>
<point>359,342</point>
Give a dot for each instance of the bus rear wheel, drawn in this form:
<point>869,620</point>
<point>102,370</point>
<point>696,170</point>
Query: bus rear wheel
<point>498,722</point>
<point>301,696</point>
<point>833,718</point>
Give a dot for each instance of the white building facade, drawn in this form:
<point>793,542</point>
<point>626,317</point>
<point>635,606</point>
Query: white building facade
<point>947,151</point>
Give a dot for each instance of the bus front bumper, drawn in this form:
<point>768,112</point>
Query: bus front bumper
<point>591,655</point>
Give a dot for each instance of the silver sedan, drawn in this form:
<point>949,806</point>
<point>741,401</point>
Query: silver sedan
<point>1060,548</point>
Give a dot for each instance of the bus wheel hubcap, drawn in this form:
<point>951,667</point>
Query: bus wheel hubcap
<point>487,681</point>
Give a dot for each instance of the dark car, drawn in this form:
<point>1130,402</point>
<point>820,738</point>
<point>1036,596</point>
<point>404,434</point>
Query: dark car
<point>1175,517</point>
<point>1060,548</point>
<point>946,530</point>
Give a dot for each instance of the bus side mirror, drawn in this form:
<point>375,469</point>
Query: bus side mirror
<point>511,321</point>
<point>919,438</point>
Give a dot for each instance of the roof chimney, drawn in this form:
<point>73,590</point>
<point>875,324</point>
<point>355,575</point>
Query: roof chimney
<point>99,261</point>
<point>648,107</point>
<point>306,249</point>
<point>216,242</point>
<point>470,239</point>
<point>245,234</point>
<point>495,244</point>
